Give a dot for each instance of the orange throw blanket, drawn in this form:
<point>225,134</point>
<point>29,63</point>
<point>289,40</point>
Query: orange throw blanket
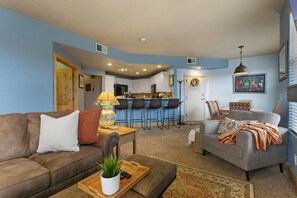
<point>264,134</point>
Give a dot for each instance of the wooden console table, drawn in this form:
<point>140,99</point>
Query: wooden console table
<point>126,135</point>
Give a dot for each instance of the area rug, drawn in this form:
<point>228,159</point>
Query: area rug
<point>192,182</point>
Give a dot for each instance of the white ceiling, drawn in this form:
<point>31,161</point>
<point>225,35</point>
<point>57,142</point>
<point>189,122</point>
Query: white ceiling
<point>196,28</point>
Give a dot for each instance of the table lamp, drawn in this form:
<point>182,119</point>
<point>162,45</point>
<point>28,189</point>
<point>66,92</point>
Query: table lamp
<point>108,117</point>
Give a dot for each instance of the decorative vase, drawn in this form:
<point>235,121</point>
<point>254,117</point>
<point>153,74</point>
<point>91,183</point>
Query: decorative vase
<point>110,185</point>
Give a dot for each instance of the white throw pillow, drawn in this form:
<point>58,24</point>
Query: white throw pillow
<point>58,134</point>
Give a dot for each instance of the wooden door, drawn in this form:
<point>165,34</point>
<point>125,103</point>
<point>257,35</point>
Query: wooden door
<point>64,89</point>
<point>195,98</point>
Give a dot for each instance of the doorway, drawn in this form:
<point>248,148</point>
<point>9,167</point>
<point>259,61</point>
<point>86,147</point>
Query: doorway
<point>93,87</point>
<point>65,84</point>
<point>194,98</point>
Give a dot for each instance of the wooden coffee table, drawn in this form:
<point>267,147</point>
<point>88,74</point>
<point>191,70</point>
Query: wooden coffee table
<point>126,135</point>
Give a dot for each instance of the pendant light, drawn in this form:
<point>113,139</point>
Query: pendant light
<point>241,69</point>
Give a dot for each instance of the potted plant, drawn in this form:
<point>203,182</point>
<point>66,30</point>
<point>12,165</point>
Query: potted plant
<point>110,175</point>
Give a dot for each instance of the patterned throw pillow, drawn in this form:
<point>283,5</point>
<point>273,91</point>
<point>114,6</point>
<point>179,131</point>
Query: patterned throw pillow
<point>230,125</point>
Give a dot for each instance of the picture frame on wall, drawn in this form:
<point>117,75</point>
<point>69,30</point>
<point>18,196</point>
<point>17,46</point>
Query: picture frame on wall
<point>249,83</point>
<point>283,62</point>
<point>81,81</point>
<point>171,80</point>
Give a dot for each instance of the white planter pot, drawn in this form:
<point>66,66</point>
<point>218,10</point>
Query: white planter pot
<point>110,185</point>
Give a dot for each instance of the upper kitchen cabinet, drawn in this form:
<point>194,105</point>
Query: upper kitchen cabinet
<point>161,80</point>
<point>109,82</point>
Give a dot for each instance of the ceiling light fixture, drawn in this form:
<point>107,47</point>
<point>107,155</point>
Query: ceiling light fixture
<point>109,64</point>
<point>159,66</point>
<point>199,67</point>
<point>144,69</point>
<point>142,39</point>
<point>122,70</point>
<point>241,69</point>
<point>137,73</point>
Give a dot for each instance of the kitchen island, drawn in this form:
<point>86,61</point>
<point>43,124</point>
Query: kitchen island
<point>121,114</point>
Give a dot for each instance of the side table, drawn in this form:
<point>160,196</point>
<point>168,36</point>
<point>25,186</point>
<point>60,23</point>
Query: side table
<point>126,135</point>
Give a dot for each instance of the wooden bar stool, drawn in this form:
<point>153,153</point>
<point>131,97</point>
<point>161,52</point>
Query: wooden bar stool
<point>122,106</point>
<point>173,104</point>
<point>155,105</point>
<point>138,105</point>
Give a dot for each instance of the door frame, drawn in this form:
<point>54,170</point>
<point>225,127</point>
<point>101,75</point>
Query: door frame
<point>185,94</point>
<point>59,58</point>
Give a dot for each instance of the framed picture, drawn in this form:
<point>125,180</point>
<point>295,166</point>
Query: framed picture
<point>81,81</point>
<point>283,62</point>
<point>253,83</point>
<point>171,80</point>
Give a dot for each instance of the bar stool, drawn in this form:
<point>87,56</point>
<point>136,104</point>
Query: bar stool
<point>138,105</point>
<point>122,106</point>
<point>172,105</point>
<point>155,104</point>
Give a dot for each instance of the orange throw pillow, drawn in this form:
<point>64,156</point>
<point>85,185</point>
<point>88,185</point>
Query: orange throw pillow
<point>87,125</point>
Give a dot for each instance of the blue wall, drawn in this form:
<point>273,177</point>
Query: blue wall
<point>26,61</point>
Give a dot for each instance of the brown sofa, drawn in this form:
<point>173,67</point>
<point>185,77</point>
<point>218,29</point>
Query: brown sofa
<point>25,173</point>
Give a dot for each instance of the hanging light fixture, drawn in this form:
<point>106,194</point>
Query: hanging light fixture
<point>241,69</point>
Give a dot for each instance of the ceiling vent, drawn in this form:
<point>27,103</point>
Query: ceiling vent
<point>101,48</point>
<point>191,60</point>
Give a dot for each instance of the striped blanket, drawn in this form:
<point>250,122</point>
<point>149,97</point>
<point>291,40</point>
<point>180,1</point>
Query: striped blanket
<point>263,133</point>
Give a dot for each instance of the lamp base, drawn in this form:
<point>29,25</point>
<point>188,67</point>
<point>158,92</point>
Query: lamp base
<point>107,118</point>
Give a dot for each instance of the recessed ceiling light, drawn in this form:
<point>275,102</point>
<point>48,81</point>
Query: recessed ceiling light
<point>126,69</point>
<point>198,67</point>
<point>142,39</point>
<point>144,69</point>
<point>122,70</point>
<point>109,64</point>
<point>137,73</point>
<point>159,66</point>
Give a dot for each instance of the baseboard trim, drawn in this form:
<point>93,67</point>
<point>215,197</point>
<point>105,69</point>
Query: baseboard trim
<point>292,176</point>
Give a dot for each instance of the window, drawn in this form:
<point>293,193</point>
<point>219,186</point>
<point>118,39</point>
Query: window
<point>292,73</point>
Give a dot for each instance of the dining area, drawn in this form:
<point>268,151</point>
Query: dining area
<point>218,112</point>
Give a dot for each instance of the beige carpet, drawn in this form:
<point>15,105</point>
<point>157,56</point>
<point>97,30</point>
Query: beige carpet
<point>171,145</point>
<point>190,182</point>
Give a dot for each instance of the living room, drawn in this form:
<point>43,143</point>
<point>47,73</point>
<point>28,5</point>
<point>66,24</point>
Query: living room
<point>28,45</point>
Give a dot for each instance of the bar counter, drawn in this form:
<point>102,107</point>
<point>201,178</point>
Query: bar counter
<point>121,114</point>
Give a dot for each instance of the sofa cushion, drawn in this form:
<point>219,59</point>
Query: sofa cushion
<point>233,150</point>
<point>22,177</point>
<point>14,137</point>
<point>58,134</point>
<point>88,125</point>
<point>261,116</point>
<point>64,165</point>
<point>34,127</point>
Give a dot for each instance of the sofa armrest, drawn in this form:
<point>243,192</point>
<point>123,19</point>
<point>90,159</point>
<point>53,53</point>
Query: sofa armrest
<point>209,126</point>
<point>244,139</point>
<point>283,131</point>
<point>107,142</point>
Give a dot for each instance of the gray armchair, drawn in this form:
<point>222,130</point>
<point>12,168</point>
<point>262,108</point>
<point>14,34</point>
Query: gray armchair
<point>243,154</point>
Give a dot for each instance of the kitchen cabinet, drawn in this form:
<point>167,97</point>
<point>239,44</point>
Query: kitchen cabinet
<point>109,82</point>
<point>141,86</point>
<point>161,80</point>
